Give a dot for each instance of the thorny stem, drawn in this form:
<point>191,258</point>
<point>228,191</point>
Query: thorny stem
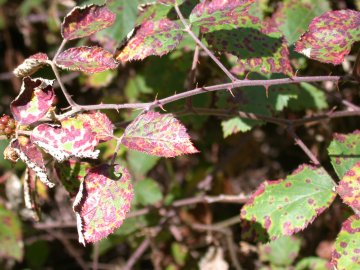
<point>198,41</point>
<point>117,148</point>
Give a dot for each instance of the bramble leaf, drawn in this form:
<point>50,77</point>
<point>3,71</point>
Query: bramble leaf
<point>102,202</point>
<point>229,27</point>
<point>347,245</point>
<point>84,21</point>
<point>31,65</point>
<point>285,207</point>
<point>86,59</point>
<point>71,173</point>
<point>158,134</point>
<point>349,187</point>
<point>34,100</point>
<point>74,138</point>
<point>10,235</point>
<point>30,195</point>
<point>32,156</point>
<point>151,38</point>
<point>100,124</point>
<point>313,263</point>
<point>293,17</point>
<point>344,152</point>
<point>330,36</point>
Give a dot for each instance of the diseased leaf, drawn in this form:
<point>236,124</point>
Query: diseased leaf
<point>151,38</point>
<point>293,17</point>
<point>158,134</point>
<point>281,252</point>
<point>103,200</point>
<point>10,235</point>
<point>347,245</point>
<point>330,36</point>
<point>74,138</point>
<point>344,152</point>
<point>84,21</point>
<point>71,173</point>
<point>349,187</point>
<point>285,207</point>
<point>86,59</point>
<point>228,27</point>
<point>31,65</point>
<point>32,156</point>
<point>313,263</point>
<point>34,100</point>
<point>100,124</point>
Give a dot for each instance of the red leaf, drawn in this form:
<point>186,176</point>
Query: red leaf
<point>84,21</point>
<point>86,59</point>
<point>102,202</point>
<point>34,100</point>
<point>349,187</point>
<point>158,134</point>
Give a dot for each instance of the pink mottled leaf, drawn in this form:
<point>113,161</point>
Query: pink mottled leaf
<point>74,138</point>
<point>34,100</point>
<point>84,21</point>
<point>228,27</point>
<point>349,187</point>
<point>31,65</point>
<point>344,152</point>
<point>151,38</point>
<point>86,59</point>
<point>330,36</point>
<point>285,207</point>
<point>32,156</point>
<point>102,202</point>
<point>158,134</point>
<point>347,246</point>
<point>100,124</point>
<point>71,173</point>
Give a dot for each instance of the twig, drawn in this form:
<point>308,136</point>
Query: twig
<point>137,254</point>
<point>96,256</point>
<point>117,148</point>
<point>61,47</point>
<point>198,41</point>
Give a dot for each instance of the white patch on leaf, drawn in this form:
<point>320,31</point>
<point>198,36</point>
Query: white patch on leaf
<point>306,52</point>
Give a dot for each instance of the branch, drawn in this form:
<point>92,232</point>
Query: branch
<point>198,41</point>
<point>137,254</point>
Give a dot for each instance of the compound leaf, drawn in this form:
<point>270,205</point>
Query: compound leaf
<point>32,156</point>
<point>102,202</point>
<point>86,59</point>
<point>349,187</point>
<point>158,134</point>
<point>151,38</point>
<point>100,124</point>
<point>285,207</point>
<point>74,138</point>
<point>31,65</point>
<point>347,245</point>
<point>330,36</point>
<point>10,235</point>
<point>84,21</point>
<point>34,100</point>
<point>344,152</point>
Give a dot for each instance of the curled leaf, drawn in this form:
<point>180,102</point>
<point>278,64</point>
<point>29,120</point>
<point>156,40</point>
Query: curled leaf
<point>34,100</point>
<point>86,59</point>
<point>84,21</point>
<point>158,134</point>
<point>102,202</point>
<point>31,65</point>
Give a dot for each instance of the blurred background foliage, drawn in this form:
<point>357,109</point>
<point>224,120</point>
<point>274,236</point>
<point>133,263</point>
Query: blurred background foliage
<point>236,154</point>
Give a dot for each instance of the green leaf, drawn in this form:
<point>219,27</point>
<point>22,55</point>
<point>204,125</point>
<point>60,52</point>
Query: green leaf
<point>308,97</point>
<point>140,164</point>
<point>179,252</point>
<point>347,245</point>
<point>293,17</point>
<point>344,152</point>
<point>313,263</point>
<point>285,207</point>
<point>281,252</point>
<point>10,235</point>
<point>330,36</point>
<point>147,192</point>
<point>349,187</point>
<point>237,124</point>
